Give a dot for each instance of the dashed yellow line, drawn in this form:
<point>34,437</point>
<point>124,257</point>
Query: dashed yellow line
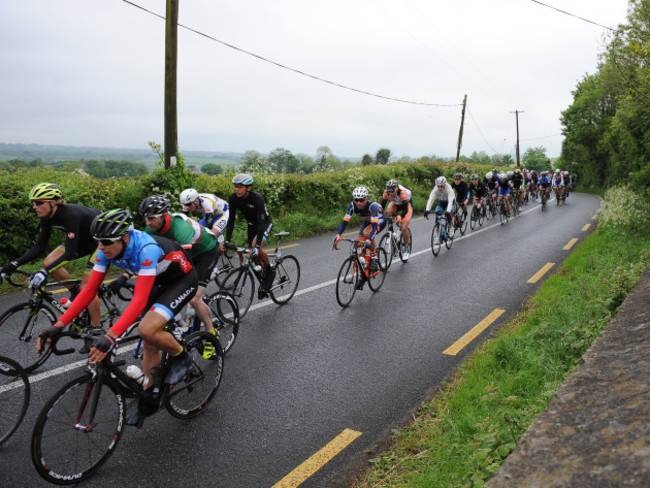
<point>537,276</point>
<point>586,228</point>
<point>318,460</point>
<point>570,244</point>
<point>458,346</point>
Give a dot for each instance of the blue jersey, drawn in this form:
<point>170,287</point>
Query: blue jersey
<point>372,213</point>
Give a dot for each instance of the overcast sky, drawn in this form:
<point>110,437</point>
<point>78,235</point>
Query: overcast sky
<point>91,73</point>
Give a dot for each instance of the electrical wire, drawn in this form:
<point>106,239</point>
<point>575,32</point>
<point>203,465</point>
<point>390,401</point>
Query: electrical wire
<point>572,15</point>
<point>479,130</point>
<point>297,71</point>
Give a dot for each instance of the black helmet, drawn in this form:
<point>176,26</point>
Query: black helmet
<point>154,205</point>
<point>458,176</point>
<point>111,224</point>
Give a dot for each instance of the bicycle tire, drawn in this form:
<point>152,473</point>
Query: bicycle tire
<point>386,243</point>
<point>401,246</point>
<point>13,324</point>
<point>287,277</point>
<point>450,237</point>
<point>240,283</point>
<point>15,394</point>
<point>193,394</point>
<point>503,212</point>
<point>226,320</point>
<point>63,452</point>
<point>347,281</point>
<point>377,278</point>
<point>436,239</point>
<point>474,218</point>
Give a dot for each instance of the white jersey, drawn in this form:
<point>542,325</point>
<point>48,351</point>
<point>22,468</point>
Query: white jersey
<point>447,195</point>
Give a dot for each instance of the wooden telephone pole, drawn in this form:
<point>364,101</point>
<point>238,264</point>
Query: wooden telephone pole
<point>517,112</point>
<point>460,133</point>
<point>171,49</point>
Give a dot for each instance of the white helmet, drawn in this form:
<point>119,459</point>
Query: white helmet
<point>503,176</point>
<point>441,181</point>
<point>360,192</point>
<point>557,171</point>
<point>488,175</point>
<point>188,196</point>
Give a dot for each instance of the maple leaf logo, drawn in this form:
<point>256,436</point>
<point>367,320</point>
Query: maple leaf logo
<point>147,262</point>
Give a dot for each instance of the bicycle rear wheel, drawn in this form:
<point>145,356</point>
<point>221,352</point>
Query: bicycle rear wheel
<point>188,398</point>
<point>376,278</point>
<point>387,245</point>
<point>402,245</point>
<point>14,397</point>
<point>462,221</point>
<point>241,285</point>
<point>287,277</point>
<point>225,317</point>
<point>19,329</point>
<point>474,217</point>
<point>347,281</point>
<point>67,444</point>
<point>436,239</point>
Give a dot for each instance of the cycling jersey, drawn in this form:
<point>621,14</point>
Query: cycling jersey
<point>214,210</point>
<point>517,180</point>
<point>504,187</point>
<point>75,221</point>
<point>371,214</point>
<point>462,191</point>
<point>544,181</point>
<point>399,197</point>
<point>491,182</point>
<point>253,208</point>
<point>191,235</point>
<point>446,196</point>
<point>558,181</point>
<point>480,190</point>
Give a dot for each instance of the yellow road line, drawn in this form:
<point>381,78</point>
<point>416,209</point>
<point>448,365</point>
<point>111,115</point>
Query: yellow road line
<point>586,228</point>
<point>288,246</point>
<point>570,244</point>
<point>458,346</point>
<point>318,460</point>
<point>537,276</point>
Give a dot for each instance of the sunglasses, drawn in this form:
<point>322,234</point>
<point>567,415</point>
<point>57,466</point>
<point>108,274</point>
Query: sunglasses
<point>38,203</point>
<point>390,190</point>
<point>108,242</point>
<point>441,186</point>
<point>359,199</point>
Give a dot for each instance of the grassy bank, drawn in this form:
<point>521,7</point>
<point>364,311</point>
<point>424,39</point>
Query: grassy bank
<point>463,435</point>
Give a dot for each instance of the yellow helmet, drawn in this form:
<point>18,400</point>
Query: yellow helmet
<point>45,191</point>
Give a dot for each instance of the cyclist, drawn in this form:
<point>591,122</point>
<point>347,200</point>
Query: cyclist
<point>479,192</point>
<point>373,221</point>
<point>533,182</point>
<point>462,192</point>
<point>544,183</point>
<point>444,194</point>
<point>253,207</point>
<point>74,220</point>
<point>557,183</point>
<point>214,210</point>
<point>517,180</point>
<point>400,202</point>
<point>166,282</point>
<point>505,187</point>
<point>197,242</point>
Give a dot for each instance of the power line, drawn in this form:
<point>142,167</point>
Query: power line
<point>573,15</point>
<point>279,65</point>
<point>479,131</point>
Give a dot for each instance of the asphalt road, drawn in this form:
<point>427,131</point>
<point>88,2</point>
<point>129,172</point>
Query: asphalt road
<point>310,377</point>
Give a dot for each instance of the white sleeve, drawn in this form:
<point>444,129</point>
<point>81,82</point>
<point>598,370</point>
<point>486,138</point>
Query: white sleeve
<point>432,198</point>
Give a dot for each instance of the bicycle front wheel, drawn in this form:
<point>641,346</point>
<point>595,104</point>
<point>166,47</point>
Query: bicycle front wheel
<point>387,245</point>
<point>436,239</point>
<point>450,237</point>
<point>14,397</point>
<point>189,398</point>
<point>241,285</point>
<point>376,278</point>
<point>287,277</point>
<point>474,217</point>
<point>69,442</point>
<point>19,329</point>
<point>225,264</point>
<point>347,281</point>
<point>225,317</point>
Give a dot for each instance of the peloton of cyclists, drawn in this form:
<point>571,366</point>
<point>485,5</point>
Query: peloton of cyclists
<point>400,203</point>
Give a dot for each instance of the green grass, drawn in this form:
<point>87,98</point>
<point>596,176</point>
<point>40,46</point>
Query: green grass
<point>463,435</point>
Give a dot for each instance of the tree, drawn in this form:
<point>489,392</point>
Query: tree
<point>366,160</point>
<point>383,156</point>
<point>254,162</point>
<point>212,169</point>
<point>535,159</point>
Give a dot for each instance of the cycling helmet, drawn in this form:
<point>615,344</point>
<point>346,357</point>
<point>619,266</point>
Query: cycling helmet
<point>243,179</point>
<point>188,196</point>
<point>503,176</point>
<point>45,191</point>
<point>154,205</point>
<point>517,171</point>
<point>557,171</point>
<point>494,170</point>
<point>441,181</point>
<point>458,176</point>
<point>360,192</point>
<point>533,172</point>
<point>510,173</point>
<point>392,184</point>
<point>489,175</point>
<point>111,224</point>
<point>474,176</point>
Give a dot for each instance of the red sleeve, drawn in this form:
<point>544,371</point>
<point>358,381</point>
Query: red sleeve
<point>84,298</point>
<point>143,286</point>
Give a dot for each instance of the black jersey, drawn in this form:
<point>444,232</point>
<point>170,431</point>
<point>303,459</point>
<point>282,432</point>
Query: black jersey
<point>480,190</point>
<point>462,191</point>
<point>253,207</point>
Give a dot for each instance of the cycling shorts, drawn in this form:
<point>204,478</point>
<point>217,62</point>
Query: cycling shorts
<point>442,207</point>
<point>89,264</point>
<point>168,299</point>
<point>405,210</point>
<point>252,233</point>
<point>204,263</point>
<point>504,191</point>
<point>366,223</point>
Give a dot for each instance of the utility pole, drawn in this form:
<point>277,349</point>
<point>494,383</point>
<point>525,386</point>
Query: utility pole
<point>460,133</point>
<point>517,112</point>
<point>171,49</point>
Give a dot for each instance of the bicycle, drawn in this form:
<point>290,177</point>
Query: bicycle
<point>440,233</point>
<point>514,204</point>
<point>492,204</point>
<point>478,214</point>
<point>224,265</point>
<point>26,320</point>
<point>459,219</point>
<point>559,196</point>
<point>543,198</point>
<point>504,215</point>
<point>15,394</point>
<point>241,284</point>
<point>393,241</point>
<point>357,269</point>
<point>81,425</point>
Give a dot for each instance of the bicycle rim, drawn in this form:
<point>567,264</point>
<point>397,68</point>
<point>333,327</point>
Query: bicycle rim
<point>189,398</point>
<point>287,277</point>
<point>387,244</point>
<point>14,397</point>
<point>436,239</point>
<point>239,283</point>
<point>347,281</point>
<point>376,278</point>
<point>450,239</point>
<point>226,318</point>
<point>474,218</point>
<point>63,451</point>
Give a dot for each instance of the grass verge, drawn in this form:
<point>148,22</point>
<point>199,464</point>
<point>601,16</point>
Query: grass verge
<point>461,437</point>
